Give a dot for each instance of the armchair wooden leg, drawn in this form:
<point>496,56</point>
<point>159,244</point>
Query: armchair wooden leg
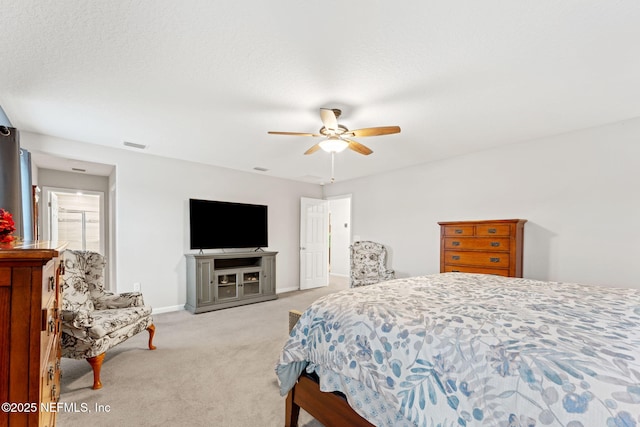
<point>152,332</point>
<point>96,365</point>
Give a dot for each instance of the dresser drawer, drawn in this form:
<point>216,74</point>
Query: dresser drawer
<point>463,269</point>
<point>50,386</point>
<point>459,230</point>
<point>50,369</point>
<point>483,259</point>
<point>49,283</point>
<point>493,230</point>
<point>477,243</point>
<point>49,332</point>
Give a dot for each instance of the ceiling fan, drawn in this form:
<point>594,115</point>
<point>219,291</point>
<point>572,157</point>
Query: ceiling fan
<point>338,136</point>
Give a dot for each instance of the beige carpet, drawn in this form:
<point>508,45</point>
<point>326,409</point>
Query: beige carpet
<point>210,369</point>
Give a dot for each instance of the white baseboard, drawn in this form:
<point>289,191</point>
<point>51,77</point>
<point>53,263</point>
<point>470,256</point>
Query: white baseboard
<point>338,275</point>
<point>168,309</point>
<point>283,290</point>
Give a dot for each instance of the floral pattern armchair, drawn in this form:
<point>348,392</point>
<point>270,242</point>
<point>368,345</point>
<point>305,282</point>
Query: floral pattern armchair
<point>93,320</point>
<point>368,264</point>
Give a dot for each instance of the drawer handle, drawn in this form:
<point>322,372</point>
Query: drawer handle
<point>455,257</point>
<point>455,271</point>
<point>455,243</point>
<point>492,231</point>
<point>495,244</point>
<point>458,231</point>
<point>52,325</point>
<point>494,259</point>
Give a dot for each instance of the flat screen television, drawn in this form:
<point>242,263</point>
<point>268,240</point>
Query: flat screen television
<point>220,225</point>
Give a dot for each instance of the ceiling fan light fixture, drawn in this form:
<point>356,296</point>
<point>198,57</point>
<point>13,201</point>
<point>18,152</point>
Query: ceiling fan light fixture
<point>334,144</point>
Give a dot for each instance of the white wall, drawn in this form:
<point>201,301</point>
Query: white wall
<point>152,213</point>
<point>578,191</point>
<point>340,209</point>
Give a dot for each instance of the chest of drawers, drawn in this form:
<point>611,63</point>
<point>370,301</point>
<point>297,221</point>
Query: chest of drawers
<point>30,302</point>
<point>490,247</point>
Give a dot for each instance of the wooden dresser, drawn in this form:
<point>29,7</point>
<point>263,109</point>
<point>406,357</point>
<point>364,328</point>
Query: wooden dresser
<point>490,247</point>
<point>30,329</point>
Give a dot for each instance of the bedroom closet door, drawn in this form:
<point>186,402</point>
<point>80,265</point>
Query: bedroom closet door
<point>314,243</point>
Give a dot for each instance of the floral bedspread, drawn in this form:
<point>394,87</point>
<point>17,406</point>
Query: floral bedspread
<point>459,349</point>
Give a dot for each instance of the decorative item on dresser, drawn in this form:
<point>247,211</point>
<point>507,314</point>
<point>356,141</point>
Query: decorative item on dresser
<point>489,247</point>
<point>30,301</point>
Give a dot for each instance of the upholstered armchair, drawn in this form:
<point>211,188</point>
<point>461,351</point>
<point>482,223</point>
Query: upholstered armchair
<point>368,264</point>
<point>93,320</point>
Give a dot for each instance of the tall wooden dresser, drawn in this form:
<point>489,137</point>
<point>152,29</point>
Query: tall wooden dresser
<point>30,301</point>
<point>490,247</point>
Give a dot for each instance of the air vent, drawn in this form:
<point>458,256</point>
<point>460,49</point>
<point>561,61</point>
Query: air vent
<point>134,145</point>
<point>78,170</point>
<point>258,168</point>
<point>313,178</point>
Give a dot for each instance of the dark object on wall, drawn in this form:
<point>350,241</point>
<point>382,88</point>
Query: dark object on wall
<point>10,195</point>
<point>26,191</point>
<point>218,225</point>
<point>16,194</point>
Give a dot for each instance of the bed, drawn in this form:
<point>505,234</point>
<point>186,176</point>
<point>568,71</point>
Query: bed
<point>456,349</point>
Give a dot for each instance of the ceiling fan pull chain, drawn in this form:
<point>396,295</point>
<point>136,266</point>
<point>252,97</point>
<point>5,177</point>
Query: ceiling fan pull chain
<point>333,159</point>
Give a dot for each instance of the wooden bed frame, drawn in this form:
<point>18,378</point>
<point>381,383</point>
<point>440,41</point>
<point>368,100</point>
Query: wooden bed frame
<point>329,408</point>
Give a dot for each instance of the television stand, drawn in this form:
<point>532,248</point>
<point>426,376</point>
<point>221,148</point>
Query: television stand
<point>223,280</point>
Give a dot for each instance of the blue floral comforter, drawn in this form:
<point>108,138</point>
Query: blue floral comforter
<point>459,349</point>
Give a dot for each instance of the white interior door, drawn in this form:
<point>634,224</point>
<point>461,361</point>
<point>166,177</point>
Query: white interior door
<point>314,243</point>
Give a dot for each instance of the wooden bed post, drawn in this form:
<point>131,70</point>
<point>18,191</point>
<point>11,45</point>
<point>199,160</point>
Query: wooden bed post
<point>292,411</point>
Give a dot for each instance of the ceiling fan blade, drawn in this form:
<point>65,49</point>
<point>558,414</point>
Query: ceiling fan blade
<point>271,132</point>
<point>329,119</point>
<point>313,149</point>
<point>359,148</point>
<point>382,130</point>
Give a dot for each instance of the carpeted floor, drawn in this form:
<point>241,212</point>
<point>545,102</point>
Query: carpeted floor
<point>210,369</point>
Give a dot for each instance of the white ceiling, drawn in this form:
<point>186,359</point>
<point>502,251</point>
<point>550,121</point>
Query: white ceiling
<point>205,80</point>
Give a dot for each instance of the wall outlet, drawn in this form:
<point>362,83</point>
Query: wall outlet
<point>136,287</point>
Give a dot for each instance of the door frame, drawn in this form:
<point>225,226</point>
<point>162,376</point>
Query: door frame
<point>348,197</point>
<point>46,212</point>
